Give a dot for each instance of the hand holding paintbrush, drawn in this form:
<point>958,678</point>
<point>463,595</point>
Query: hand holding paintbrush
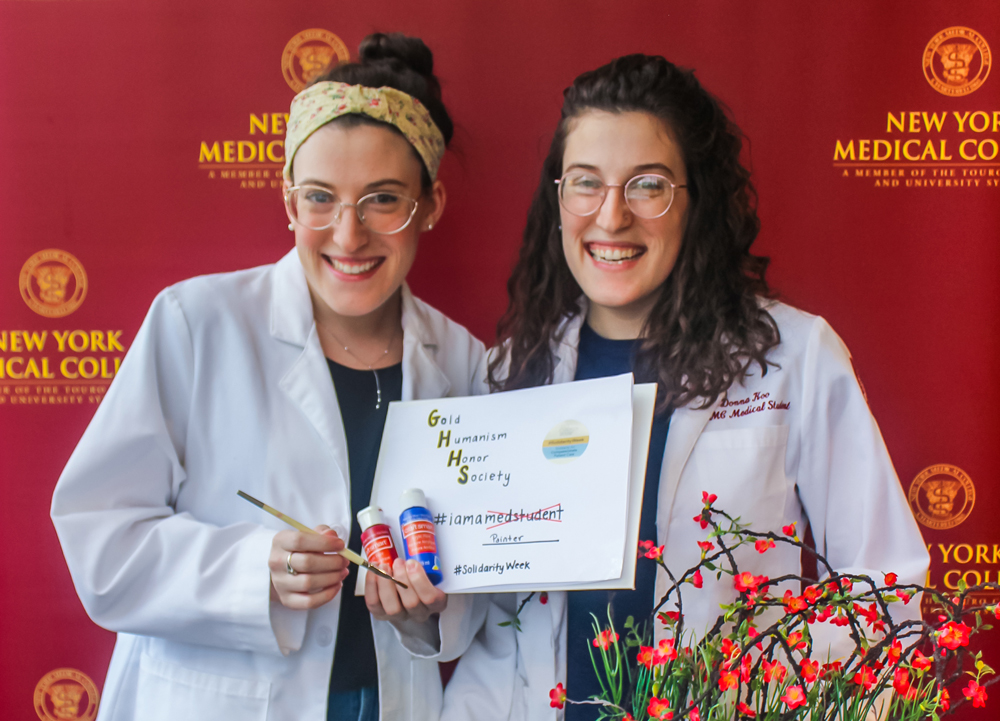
<point>309,567</point>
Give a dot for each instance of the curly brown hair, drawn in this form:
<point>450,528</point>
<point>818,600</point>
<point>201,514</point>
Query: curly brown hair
<point>708,325</point>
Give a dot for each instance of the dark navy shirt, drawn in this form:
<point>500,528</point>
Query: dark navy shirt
<point>354,663</point>
<point>599,357</point>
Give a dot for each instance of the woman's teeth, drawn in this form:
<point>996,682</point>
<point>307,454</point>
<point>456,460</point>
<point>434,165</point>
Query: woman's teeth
<point>353,268</point>
<point>614,255</point>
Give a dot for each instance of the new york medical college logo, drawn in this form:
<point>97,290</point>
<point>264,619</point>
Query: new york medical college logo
<point>957,61</point>
<point>53,283</point>
<point>66,694</point>
<point>252,152</point>
<point>308,54</point>
<point>942,496</point>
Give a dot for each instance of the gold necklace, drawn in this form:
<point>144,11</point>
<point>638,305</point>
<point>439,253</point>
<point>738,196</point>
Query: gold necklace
<point>378,385</point>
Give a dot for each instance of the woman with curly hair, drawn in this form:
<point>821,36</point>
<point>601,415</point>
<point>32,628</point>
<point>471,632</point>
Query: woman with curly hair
<point>637,258</point>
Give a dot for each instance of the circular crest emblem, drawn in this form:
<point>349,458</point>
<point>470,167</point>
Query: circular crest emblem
<point>53,283</point>
<point>957,61</point>
<point>66,694</point>
<point>308,54</point>
<point>942,496</point>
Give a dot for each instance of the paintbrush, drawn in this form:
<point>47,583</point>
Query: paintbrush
<point>346,553</point>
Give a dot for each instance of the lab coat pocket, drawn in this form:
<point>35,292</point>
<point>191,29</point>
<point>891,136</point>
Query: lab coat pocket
<point>169,692</point>
<point>745,467</point>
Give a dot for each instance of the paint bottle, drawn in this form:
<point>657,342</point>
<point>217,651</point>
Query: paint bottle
<point>416,524</point>
<point>376,538</point>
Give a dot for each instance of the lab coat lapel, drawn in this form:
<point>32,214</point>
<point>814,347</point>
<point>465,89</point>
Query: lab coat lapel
<point>686,425</point>
<point>422,377</point>
<point>307,382</point>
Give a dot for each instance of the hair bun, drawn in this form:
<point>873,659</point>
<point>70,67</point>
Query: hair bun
<point>395,46</point>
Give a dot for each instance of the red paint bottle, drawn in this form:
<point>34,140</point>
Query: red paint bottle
<point>376,538</point>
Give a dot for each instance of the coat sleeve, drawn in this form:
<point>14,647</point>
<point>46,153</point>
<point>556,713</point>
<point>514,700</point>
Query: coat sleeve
<point>860,518</point>
<point>138,565</point>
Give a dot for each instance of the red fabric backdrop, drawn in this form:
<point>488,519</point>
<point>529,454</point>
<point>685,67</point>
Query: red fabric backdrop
<point>105,106</point>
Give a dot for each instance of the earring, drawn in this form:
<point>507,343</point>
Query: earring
<point>291,227</point>
<point>560,226</point>
<point>430,226</point>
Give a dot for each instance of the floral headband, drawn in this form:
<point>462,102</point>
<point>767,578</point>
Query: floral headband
<point>318,104</point>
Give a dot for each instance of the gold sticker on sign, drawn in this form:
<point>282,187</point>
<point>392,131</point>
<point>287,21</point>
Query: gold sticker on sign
<point>66,694</point>
<point>310,53</point>
<point>956,61</point>
<point>53,283</point>
<point>942,496</point>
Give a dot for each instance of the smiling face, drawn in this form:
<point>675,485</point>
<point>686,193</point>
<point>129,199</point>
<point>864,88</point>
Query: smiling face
<point>620,260</point>
<point>351,270</point>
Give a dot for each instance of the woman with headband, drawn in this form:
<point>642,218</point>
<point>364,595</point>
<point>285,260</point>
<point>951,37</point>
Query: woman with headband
<point>276,381</point>
<point>636,258</point>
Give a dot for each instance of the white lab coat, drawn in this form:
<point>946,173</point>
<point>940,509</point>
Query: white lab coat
<point>226,387</point>
<point>821,460</point>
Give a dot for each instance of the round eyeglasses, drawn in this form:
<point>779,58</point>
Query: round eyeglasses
<point>647,196</point>
<point>317,208</point>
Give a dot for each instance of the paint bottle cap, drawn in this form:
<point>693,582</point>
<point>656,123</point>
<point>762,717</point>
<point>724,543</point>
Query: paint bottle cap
<point>370,516</point>
<point>413,497</point>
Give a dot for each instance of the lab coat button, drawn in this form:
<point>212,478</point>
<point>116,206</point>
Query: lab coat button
<point>324,636</point>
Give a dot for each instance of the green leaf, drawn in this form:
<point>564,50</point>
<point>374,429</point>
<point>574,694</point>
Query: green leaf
<point>629,622</point>
<point>962,585</point>
<point>504,624</point>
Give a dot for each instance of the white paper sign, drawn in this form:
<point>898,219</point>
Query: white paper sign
<point>528,488</point>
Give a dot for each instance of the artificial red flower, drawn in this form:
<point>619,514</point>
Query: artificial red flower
<point>824,613</point>
<point>708,498</point>
<point>627,717</point>
<point>645,656</point>
<point>655,553</point>
<point>870,614</point>
<point>746,665</point>
<point>543,598</point>
<point>945,700</point>
<point>920,662</point>
<point>774,671</point>
<point>605,639</point>
<point>890,579</point>
<point>789,530</point>
<point>954,635</point>
<point>809,670</point>
<point>894,651</point>
<point>693,715</point>
<point>664,652</point>
<point>746,581</point>
<point>696,580</point>
<point>754,633</point>
<point>864,677</point>
<point>746,710</point>
<point>975,693</point>
<point>762,544</point>
<point>795,697</point>
<point>812,594</point>
<point>643,547</point>
<point>840,620</point>
<point>906,597</point>
<point>792,602</point>
<point>705,546</point>
<point>729,650</point>
<point>659,708</point>
<point>668,617</point>
<point>831,668</point>
<point>701,521</point>
<point>728,680</point>
<point>795,640</point>
<point>846,584</point>
<point>557,696</point>
<point>901,681</point>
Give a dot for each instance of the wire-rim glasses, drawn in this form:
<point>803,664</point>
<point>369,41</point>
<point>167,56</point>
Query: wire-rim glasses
<point>317,208</point>
<point>648,196</point>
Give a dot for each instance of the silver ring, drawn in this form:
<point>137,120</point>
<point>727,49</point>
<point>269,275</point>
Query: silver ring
<point>288,566</point>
